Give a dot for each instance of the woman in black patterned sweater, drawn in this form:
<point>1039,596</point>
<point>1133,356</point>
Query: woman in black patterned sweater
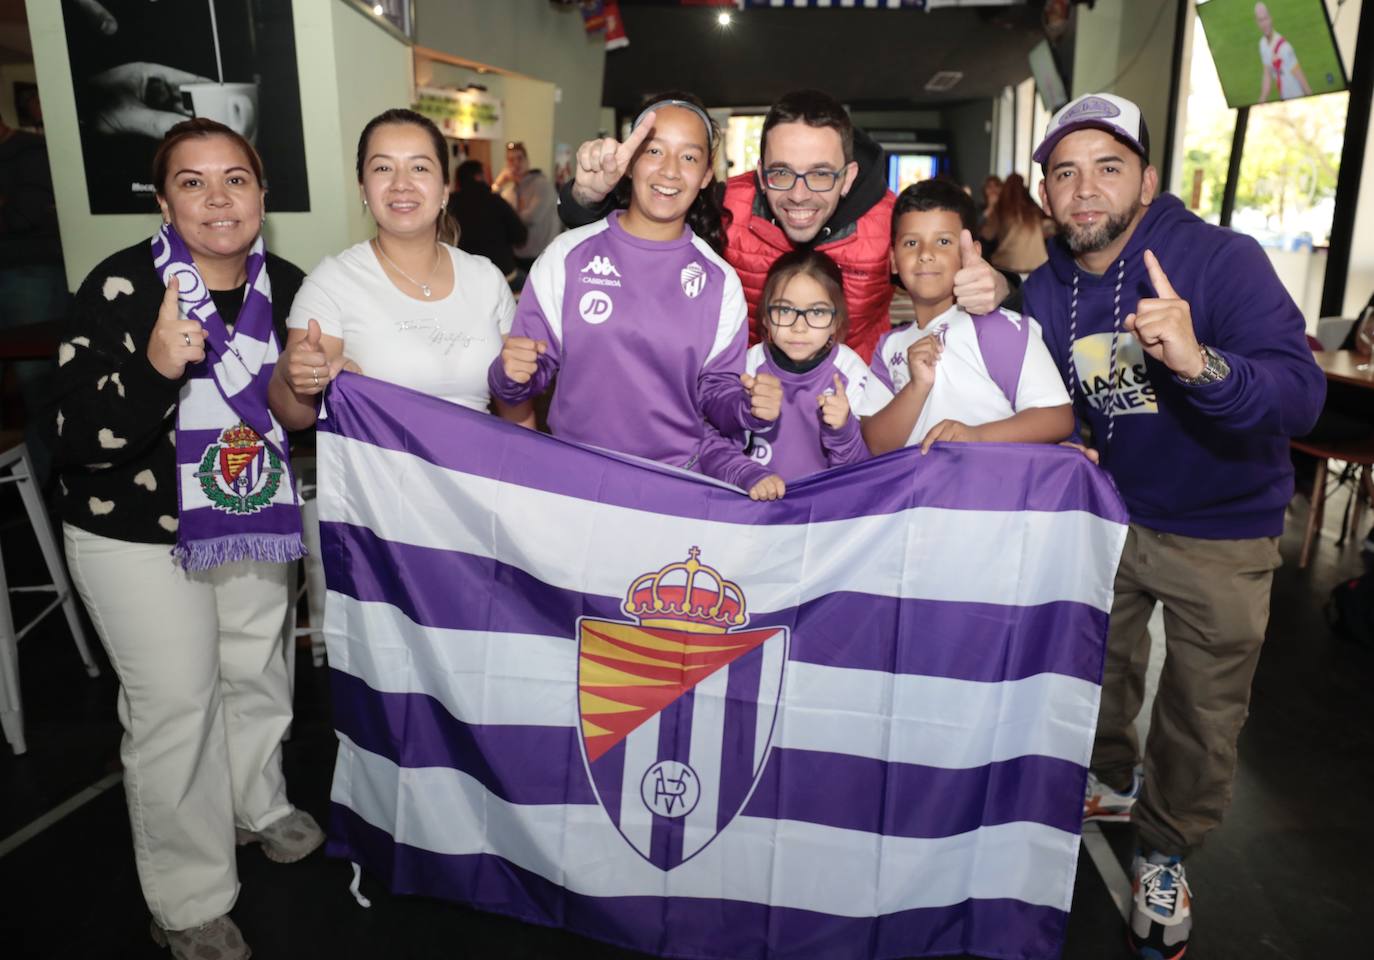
<point>195,638</point>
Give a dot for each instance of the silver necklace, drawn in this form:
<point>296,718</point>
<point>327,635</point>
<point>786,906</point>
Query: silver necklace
<point>424,287</point>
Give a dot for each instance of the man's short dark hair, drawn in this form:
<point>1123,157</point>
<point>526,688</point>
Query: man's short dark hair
<point>815,109</point>
<point>470,172</point>
<point>935,195</point>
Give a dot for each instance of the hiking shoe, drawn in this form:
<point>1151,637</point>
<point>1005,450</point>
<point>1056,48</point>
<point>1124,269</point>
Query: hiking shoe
<point>218,939</point>
<point>1162,908</point>
<point>1104,805</point>
<point>293,837</point>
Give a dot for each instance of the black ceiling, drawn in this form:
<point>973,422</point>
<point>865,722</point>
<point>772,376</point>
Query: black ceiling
<point>869,59</point>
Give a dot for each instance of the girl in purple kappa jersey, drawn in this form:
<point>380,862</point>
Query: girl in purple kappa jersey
<point>642,321</point>
<point>826,386</point>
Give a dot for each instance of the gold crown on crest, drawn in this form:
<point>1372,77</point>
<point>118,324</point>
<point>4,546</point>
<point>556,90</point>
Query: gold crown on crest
<point>686,596</point>
<point>241,435</point>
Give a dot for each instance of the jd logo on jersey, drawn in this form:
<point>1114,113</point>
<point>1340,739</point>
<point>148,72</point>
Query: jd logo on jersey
<point>595,307</point>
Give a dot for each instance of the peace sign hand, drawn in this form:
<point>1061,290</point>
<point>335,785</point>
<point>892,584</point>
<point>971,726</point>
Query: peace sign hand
<point>1164,325</point>
<point>602,163</point>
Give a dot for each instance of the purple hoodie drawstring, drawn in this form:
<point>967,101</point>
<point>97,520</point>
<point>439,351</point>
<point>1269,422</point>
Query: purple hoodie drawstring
<point>1111,361</point>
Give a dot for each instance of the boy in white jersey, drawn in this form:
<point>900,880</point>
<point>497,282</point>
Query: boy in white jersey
<point>1278,62</point>
<point>956,377</point>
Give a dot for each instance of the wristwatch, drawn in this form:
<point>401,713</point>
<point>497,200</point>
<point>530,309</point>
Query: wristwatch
<point>1214,369</point>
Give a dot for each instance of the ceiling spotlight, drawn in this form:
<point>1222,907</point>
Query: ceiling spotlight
<point>724,19</point>
<point>378,9</point>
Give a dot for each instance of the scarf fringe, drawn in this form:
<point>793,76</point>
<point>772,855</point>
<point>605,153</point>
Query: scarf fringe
<point>200,555</point>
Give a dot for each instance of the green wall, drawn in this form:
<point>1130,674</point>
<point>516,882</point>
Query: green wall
<point>1126,47</point>
<point>541,40</point>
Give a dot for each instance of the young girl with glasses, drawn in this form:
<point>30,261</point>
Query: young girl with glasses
<point>826,386</point>
<point>642,321</point>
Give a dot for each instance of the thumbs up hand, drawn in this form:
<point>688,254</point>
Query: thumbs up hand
<point>305,365</point>
<point>174,342</point>
<point>765,395</point>
<point>1164,325</point>
<point>834,405</point>
<point>978,288</point>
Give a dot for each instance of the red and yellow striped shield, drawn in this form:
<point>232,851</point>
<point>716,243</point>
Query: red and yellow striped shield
<point>627,673</point>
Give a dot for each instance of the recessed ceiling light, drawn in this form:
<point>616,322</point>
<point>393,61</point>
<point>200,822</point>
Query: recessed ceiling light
<point>724,19</point>
<point>944,80</point>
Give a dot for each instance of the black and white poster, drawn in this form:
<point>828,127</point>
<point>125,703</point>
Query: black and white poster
<point>140,66</point>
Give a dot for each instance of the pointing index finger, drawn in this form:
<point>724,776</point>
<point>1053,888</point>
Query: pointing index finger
<point>1163,288</point>
<point>636,137</point>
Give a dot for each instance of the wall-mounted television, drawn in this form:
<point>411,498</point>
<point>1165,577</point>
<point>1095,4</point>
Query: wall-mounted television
<point>904,169</point>
<point>1271,51</point>
<point>1047,78</point>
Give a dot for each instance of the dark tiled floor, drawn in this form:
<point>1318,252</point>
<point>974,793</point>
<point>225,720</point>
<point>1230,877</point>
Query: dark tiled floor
<point>1284,878</point>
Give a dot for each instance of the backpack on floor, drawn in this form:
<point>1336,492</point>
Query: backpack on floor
<point>1350,609</point>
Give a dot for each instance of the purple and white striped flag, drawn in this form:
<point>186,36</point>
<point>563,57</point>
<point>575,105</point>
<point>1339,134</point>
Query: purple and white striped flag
<point>600,694</point>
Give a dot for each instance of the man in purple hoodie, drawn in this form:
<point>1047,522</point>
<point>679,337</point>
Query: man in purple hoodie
<point>1188,366</point>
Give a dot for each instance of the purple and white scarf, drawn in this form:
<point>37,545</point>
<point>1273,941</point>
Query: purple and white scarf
<point>236,495</point>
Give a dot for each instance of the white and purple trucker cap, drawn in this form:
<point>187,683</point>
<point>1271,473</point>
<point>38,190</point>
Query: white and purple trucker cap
<point>1102,111</point>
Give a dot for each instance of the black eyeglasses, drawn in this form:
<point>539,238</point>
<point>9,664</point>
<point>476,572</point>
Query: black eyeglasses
<point>785,315</point>
<point>784,178</point>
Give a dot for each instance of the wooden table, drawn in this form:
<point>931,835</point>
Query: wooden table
<point>1342,366</point>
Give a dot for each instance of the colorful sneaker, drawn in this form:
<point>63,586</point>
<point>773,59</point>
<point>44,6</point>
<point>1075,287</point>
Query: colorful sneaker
<point>1104,805</point>
<point>291,838</point>
<point>1162,911</point>
<point>219,939</point>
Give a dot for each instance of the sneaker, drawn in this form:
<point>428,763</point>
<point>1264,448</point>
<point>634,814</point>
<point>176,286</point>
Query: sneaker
<point>293,837</point>
<point>1162,912</point>
<point>217,940</point>
<point>1103,804</point>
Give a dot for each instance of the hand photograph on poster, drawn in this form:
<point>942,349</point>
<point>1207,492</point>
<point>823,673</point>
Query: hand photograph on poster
<point>140,66</point>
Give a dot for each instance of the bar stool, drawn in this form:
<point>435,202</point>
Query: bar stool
<point>1356,453</point>
<point>15,468</point>
<point>313,587</point>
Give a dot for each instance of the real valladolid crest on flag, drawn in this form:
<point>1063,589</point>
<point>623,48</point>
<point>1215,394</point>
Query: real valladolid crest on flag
<point>630,683</point>
<point>236,498</point>
<point>595,693</point>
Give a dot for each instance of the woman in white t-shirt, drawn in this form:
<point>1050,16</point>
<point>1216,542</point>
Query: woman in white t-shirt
<point>406,306</point>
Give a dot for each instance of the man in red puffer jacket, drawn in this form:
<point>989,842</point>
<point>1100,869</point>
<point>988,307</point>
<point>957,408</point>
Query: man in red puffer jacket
<point>819,183</point>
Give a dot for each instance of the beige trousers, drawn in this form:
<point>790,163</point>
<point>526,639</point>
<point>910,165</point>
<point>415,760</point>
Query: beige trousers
<point>204,702</point>
<point>1216,607</point>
